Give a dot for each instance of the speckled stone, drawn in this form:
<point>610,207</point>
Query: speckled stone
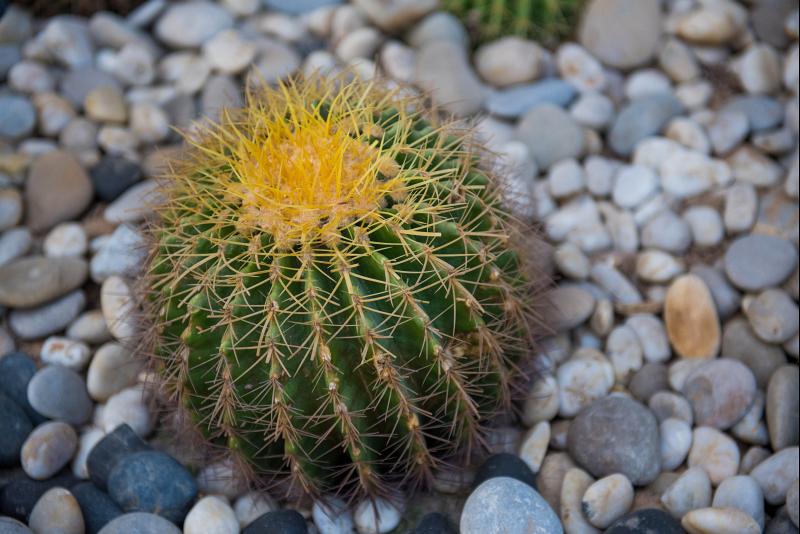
<point>487,510</point>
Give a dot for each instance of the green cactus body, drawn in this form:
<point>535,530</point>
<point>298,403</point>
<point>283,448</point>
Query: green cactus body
<point>544,20</point>
<point>335,289</point>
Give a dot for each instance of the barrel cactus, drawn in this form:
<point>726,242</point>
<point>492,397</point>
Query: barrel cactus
<point>335,291</point>
<point>544,20</point>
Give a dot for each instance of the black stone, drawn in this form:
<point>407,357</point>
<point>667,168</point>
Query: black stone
<point>14,429</point>
<point>16,370</point>
<point>278,522</point>
<point>646,521</point>
<point>504,465</point>
<point>434,523</point>
<point>19,496</point>
<point>113,175</point>
<point>152,481</point>
<point>121,442</point>
<point>96,506</point>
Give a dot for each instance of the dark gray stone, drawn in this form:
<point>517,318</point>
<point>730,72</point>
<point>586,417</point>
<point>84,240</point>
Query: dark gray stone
<point>97,507</point>
<point>107,452</point>
<point>16,371</point>
<point>113,175</point>
<point>278,522</point>
<point>15,427</point>
<point>645,521</point>
<point>616,435</point>
<point>504,465</point>
<point>649,380</point>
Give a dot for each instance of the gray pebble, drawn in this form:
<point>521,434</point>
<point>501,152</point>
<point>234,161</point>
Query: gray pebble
<point>773,315</point>
<point>616,435</point>
<point>649,380</point>
<point>60,393</point>
<point>10,525</point>
<point>666,404</point>
<point>762,112</point>
<point>667,231</point>
<point>620,288</point>
<point>78,83</point>
<point>48,448</point>
<point>739,342</point>
<point>516,101</point>
<point>572,305</point>
<point>551,134</point>
<point>141,523</point>
<point>726,298</point>
<point>17,117</point>
<point>14,242</point>
<point>783,406</point>
<point>720,391</point>
<point>652,336</point>
<point>756,262</point>
<point>48,319</point>
<point>641,118</point>
<point>487,510</point>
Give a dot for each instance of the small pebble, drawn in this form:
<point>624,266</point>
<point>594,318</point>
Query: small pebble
<point>332,517</point>
<point>57,511</point>
<point>107,452</point>
<point>48,448</point>
<point>665,405</point>
<point>776,474</point>
<point>691,318</point>
<point>650,379</point>
<point>774,316</point>
<point>585,377</point>
<point>378,516</point>
<point>534,445</point>
<point>278,522</point>
<point>606,500</point>
<point>782,407</point>
<point>715,452</point>
<point>89,437</point>
<point>211,515</point>
<point>66,352</point>
<point>755,262</point>
<point>574,486</point>
<point>720,391</point>
<point>96,506</point>
<point>127,407</point>
<point>139,522</point>
<point>253,505</point>
<point>60,393</point>
<point>741,492</point>
<point>719,521</point>
<point>676,440</point>
<point>692,490</point>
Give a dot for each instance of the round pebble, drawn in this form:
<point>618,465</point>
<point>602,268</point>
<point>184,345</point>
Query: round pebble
<point>486,511</point>
<point>597,440</point>
<point>332,517</point>
<point>127,407</point>
<point>720,391</point>
<point>715,452</point>
<point>48,448</point>
<point>585,377</point>
<point>251,506</point>
<point>377,516</point>
<point>211,515</point>
<point>113,368</point>
<point>665,405</point>
<point>607,499</point>
<point>57,511</point>
<point>60,393</point>
<point>145,523</point>
<point>773,315</point>
<point>755,262</point>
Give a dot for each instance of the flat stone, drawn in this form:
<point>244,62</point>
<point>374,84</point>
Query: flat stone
<point>773,315</point>
<point>516,101</point>
<point>443,69</point>
<point>35,280</point>
<point>57,189</point>
<point>486,509</point>
<point>190,24</point>
<point>721,392</point>
<point>551,135</point>
<point>47,319</point>
<point>140,522</point>
<point>739,342</point>
<point>641,118</point>
<point>636,35</point>
<point>756,262</point>
<point>616,435</point>
<point>783,406</point>
<point>60,393</point>
<point>691,318</point>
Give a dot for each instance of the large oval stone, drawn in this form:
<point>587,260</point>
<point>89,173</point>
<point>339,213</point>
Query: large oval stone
<point>691,318</point>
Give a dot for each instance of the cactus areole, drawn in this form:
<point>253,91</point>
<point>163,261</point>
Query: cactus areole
<point>336,292</point>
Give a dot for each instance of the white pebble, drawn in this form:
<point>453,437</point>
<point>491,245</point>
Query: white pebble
<point>542,402</point>
<point>691,490</point>
<point>719,521</point>
<point>576,482</point>
<point>715,452</point>
<point>127,407</point>
<point>534,445</point>
<point>776,474</point>
<point>86,442</point>
<point>582,379</point>
<point>634,184</point>
<point>657,266</point>
<point>332,516</point>
<point>625,352</point>
<point>222,478</point>
<point>66,239</point>
<point>66,352</point>
<point>376,516</point>
<point>607,499</point>
<point>118,305</point>
<point>253,505</point>
<point>676,440</point>
<point>211,515</point>
<point>705,224</point>
<point>113,368</point>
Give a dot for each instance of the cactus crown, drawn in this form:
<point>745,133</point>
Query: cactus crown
<point>334,288</point>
